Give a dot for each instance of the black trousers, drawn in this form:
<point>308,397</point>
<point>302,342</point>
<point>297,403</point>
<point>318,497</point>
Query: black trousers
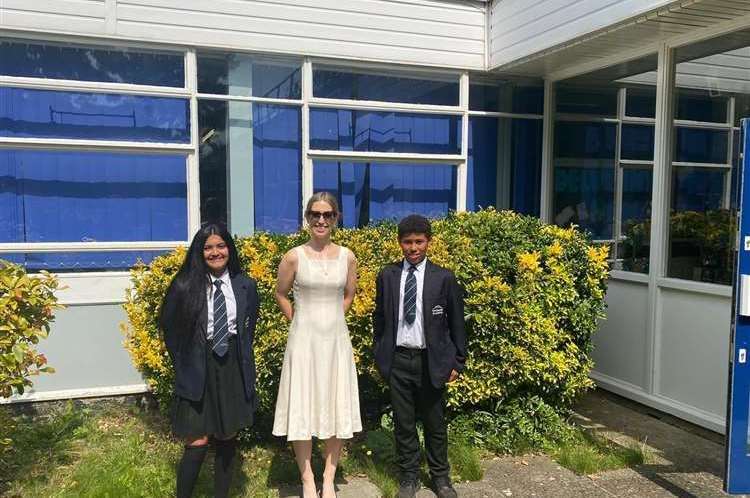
<point>413,396</point>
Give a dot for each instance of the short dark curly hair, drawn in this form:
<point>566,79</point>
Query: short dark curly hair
<point>414,223</point>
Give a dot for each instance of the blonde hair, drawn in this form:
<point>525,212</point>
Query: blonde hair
<point>325,197</point>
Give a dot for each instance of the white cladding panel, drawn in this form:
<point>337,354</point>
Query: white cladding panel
<point>424,32</point>
<point>77,16</point>
<point>693,349</point>
<point>520,28</point>
<point>621,343</point>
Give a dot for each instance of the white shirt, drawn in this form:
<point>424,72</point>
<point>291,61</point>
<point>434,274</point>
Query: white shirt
<point>411,335</point>
<point>226,289</point>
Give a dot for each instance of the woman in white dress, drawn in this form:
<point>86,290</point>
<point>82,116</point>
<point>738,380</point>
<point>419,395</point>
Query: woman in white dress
<point>318,394</point>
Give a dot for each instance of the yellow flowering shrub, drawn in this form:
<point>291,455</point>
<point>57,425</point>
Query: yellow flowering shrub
<point>534,293</point>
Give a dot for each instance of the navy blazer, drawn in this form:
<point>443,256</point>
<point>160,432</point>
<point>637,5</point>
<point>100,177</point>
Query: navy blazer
<point>442,319</point>
<point>188,348</point>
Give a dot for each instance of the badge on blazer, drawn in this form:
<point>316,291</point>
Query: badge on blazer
<point>247,322</point>
<point>437,310</point>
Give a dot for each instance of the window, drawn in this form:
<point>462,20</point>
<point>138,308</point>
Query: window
<point>703,215</point>
<point>250,165</point>
<point>603,159</point>
<point>103,64</point>
<point>504,164</point>
<point>592,101</point>
<point>697,105</point>
<point>385,86</point>
<point>640,103</point>
<point>98,116</point>
<point>125,185</point>
<point>247,76</point>
<point>506,97</point>
<point>634,247</point>
<point>697,145</point>
<point>369,192</point>
<point>637,142</point>
<point>368,131</point>
<point>584,176</point>
<point>60,196</point>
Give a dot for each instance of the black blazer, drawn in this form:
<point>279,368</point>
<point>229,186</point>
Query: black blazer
<point>443,321</point>
<point>188,348</point>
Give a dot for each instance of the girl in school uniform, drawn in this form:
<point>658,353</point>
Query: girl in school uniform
<point>208,318</point>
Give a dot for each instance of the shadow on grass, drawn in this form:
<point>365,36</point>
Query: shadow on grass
<point>39,443</point>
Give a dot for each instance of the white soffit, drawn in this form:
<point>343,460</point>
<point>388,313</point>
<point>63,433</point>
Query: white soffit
<point>616,42</point>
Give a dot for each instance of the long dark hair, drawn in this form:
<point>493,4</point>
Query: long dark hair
<point>188,287</point>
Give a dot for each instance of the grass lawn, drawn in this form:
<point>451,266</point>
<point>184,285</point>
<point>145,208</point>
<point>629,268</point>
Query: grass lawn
<point>120,450</point>
<point>115,450</point>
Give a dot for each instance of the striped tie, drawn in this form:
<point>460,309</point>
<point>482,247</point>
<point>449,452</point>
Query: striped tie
<point>410,296</point>
<point>221,325</point>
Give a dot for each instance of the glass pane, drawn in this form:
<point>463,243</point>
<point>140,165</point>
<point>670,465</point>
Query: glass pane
<point>61,262</point>
<point>636,219</point>
<point>637,142</point>
<point>584,176</point>
<point>697,189</point>
<point>585,140</point>
<point>702,233</point>
<point>376,191</point>
<point>583,196</point>
<point>697,105</point>
<point>741,108</point>
<point>640,103</point>
<point>367,131</point>
<point>697,145</point>
<point>526,166</point>
<point>337,83</point>
<point>511,149</point>
<point>250,158</point>
<point>592,101</point>
<point>56,196</point>
<point>245,76</point>
<point>106,64</point>
<point>483,162</point>
<point>99,116</point>
<point>506,97</point>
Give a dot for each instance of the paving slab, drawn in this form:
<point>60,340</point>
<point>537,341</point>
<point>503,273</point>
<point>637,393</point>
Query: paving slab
<point>352,487</point>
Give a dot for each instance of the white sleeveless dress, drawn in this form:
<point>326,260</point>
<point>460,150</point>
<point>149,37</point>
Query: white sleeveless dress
<point>318,393</point>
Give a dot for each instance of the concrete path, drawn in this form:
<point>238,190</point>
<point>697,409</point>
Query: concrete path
<point>686,461</point>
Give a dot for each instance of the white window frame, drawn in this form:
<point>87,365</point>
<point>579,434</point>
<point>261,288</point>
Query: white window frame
<point>78,291</point>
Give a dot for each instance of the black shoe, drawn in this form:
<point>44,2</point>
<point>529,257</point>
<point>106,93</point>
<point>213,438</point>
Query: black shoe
<point>407,489</point>
<point>443,488</point>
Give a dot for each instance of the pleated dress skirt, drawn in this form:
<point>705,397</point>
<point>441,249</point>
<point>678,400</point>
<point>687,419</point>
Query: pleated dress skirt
<point>224,409</point>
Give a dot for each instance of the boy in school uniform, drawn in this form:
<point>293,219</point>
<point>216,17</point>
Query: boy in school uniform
<point>420,346</point>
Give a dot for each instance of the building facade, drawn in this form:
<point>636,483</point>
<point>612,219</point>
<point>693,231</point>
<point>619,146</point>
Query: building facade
<point>126,123</point>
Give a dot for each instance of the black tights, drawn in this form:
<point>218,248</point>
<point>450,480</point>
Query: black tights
<point>192,460</point>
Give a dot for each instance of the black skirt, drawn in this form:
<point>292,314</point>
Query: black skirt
<point>224,409</point>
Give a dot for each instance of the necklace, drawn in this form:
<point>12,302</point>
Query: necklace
<point>320,258</point>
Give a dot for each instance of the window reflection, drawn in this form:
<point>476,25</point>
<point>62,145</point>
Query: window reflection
<point>336,83</point>
<point>260,141</point>
<point>351,130</point>
<point>369,192</point>
<point>105,64</point>
<point>102,116</point>
<point>247,76</point>
<point>57,196</point>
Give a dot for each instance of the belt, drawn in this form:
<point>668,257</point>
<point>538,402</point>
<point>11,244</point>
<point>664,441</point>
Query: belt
<point>404,349</point>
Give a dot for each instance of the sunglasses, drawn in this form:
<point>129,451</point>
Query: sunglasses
<point>326,215</point>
